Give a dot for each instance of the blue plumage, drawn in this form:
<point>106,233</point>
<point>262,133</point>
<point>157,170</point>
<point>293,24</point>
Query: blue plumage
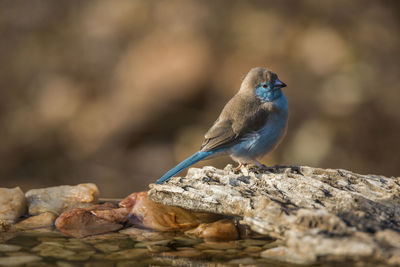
<point>251,124</point>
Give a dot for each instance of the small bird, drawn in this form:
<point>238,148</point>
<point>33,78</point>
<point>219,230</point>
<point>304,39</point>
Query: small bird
<point>251,124</point>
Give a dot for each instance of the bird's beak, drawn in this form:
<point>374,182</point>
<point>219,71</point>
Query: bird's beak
<point>279,84</point>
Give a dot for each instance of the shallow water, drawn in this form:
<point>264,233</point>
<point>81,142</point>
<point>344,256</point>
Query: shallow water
<point>139,248</point>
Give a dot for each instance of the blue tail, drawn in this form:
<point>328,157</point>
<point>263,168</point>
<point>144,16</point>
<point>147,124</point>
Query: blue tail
<point>196,157</point>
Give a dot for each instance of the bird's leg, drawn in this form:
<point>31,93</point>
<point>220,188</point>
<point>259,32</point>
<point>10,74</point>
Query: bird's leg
<point>238,167</point>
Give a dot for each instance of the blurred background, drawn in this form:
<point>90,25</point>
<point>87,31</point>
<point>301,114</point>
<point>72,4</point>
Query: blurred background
<point>118,92</point>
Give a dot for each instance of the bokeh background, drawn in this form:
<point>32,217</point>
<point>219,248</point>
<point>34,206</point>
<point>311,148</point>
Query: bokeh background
<point>117,92</point>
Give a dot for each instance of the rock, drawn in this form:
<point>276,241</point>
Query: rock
<point>314,213</point>
<point>82,222</point>
<point>18,260</point>
<point>221,230</point>
<point>135,253</point>
<point>38,221</point>
<point>12,205</point>
<point>150,214</point>
<point>61,198</point>
<point>284,254</point>
<point>53,249</point>
<point>9,248</point>
<point>147,234</point>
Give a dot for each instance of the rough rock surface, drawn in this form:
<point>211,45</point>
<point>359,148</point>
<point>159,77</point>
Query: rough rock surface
<point>60,198</point>
<point>318,213</point>
<point>12,205</point>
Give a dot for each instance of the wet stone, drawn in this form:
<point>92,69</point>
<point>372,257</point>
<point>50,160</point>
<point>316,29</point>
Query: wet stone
<point>18,260</point>
<point>107,247</point>
<point>64,264</point>
<point>284,254</point>
<point>135,253</point>
<point>44,220</point>
<point>12,205</point>
<point>252,249</point>
<point>222,230</point>
<point>53,249</point>
<point>185,241</point>
<point>9,248</point>
<point>243,261</point>
<point>217,245</point>
<point>77,245</point>
<point>147,235</point>
<point>274,244</point>
<point>187,253</point>
<point>81,256</point>
<point>41,232</point>
<point>83,222</point>
<point>146,213</point>
<point>253,242</point>
<point>157,248</point>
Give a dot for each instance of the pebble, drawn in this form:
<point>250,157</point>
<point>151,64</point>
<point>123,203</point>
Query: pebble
<point>134,253</point>
<point>107,247</point>
<point>274,244</point>
<point>222,230</point>
<point>53,249</point>
<point>9,248</point>
<point>147,235</point>
<point>60,198</point>
<point>18,260</point>
<point>217,245</point>
<point>44,220</point>
<point>251,249</point>
<point>253,242</point>
<point>12,205</point>
<point>187,253</point>
<point>81,222</point>
<point>147,213</point>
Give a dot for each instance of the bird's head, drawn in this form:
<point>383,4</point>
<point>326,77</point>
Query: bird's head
<point>262,83</point>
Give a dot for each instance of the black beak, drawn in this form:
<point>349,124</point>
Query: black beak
<point>279,83</point>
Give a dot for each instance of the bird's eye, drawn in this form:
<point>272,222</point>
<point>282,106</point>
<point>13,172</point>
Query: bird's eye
<point>265,86</point>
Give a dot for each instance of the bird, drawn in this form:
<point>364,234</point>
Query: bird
<point>252,124</point>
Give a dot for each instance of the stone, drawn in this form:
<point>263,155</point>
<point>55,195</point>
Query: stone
<point>150,214</point>
<point>107,247</point>
<point>43,220</point>
<point>284,254</point>
<point>53,249</point>
<point>187,253</point>
<point>218,245</point>
<point>147,234</point>
<point>12,205</point>
<point>18,260</point>
<point>313,213</point>
<point>221,230</point>
<point>61,198</point>
<point>129,254</point>
<point>82,222</point>
<point>9,248</point>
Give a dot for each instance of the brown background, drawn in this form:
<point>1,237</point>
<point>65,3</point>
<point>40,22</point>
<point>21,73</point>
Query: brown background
<point>117,92</point>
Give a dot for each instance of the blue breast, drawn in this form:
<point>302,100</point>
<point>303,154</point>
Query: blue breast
<point>264,140</point>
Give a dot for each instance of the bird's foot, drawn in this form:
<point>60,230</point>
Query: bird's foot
<point>239,167</point>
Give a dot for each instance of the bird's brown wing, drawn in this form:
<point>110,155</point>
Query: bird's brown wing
<point>239,118</point>
<point>220,135</point>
